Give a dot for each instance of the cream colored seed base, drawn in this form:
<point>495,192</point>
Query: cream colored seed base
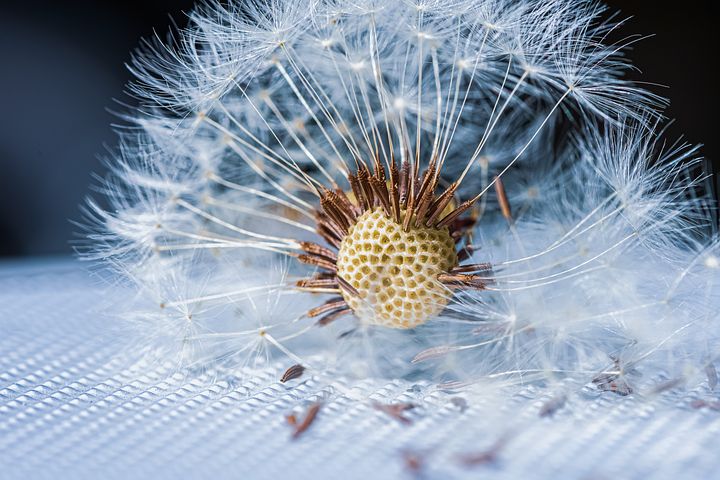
<point>395,272</point>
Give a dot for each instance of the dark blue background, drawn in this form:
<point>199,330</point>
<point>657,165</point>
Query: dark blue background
<point>63,64</point>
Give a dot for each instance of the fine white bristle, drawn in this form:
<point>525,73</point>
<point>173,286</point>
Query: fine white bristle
<point>603,253</point>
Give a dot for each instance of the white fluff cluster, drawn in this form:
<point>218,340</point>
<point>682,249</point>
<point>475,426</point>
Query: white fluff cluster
<point>608,267</point>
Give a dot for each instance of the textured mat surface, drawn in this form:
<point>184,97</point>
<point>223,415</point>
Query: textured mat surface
<point>74,405</point>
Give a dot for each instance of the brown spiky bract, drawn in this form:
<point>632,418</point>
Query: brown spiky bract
<point>395,243</point>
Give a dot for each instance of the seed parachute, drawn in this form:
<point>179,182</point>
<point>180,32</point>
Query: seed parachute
<point>470,191</point>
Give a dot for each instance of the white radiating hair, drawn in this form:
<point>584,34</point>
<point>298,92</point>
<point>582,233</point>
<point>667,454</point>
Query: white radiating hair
<point>609,264</point>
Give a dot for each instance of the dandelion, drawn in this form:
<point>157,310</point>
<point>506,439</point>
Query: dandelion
<point>466,188</point>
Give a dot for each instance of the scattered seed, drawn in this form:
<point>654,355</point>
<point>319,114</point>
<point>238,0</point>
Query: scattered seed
<point>430,353</point>
<point>502,199</point>
<point>413,461</point>
<point>484,457</point>
<point>613,382</point>
<point>308,420</point>
<point>395,410</point>
<point>553,405</point>
<point>296,371</point>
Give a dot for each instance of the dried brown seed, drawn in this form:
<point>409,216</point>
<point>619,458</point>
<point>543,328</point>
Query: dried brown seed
<point>613,382</point>
<point>395,410</point>
<point>308,419</point>
<point>292,373</point>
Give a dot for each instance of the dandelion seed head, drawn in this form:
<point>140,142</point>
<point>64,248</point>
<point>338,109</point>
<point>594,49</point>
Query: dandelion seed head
<point>470,189</point>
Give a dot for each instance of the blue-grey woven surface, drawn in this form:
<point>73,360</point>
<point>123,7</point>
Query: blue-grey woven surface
<point>74,404</point>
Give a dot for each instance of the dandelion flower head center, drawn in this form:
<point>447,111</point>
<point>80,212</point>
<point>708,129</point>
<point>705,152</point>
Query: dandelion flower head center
<point>395,271</point>
<point>295,163</point>
<point>395,247</point>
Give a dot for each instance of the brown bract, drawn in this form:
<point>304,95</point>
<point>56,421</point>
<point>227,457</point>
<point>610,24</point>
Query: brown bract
<point>395,247</point>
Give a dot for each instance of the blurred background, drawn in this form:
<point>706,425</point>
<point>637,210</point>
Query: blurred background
<point>63,66</point>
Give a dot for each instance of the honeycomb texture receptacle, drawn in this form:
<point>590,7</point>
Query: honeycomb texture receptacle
<point>394,271</point>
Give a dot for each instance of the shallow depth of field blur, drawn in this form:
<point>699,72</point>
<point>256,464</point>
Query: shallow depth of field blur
<point>63,73</point>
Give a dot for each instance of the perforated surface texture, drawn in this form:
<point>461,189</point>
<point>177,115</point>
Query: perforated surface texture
<point>73,406</point>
